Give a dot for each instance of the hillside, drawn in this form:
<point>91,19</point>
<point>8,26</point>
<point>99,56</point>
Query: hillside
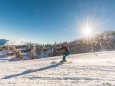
<point>85,70</point>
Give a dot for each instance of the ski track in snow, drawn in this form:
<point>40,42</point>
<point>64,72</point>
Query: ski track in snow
<point>85,70</point>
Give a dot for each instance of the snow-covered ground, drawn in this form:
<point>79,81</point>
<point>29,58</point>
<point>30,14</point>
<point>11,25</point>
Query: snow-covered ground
<point>85,70</point>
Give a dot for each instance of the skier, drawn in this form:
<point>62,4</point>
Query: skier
<point>66,52</point>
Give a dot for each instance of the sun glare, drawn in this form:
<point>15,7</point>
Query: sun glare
<point>87,31</point>
<point>87,27</point>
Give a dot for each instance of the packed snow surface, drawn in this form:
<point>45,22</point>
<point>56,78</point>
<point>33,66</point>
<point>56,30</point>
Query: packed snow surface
<point>88,69</point>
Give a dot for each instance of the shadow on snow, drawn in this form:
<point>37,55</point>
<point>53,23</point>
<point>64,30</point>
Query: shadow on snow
<point>31,71</point>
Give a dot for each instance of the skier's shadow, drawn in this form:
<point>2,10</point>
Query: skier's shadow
<point>31,71</point>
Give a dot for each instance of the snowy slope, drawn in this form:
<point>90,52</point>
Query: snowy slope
<point>85,70</point>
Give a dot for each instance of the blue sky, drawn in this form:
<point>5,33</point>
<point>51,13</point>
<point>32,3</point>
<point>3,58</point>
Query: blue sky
<point>47,21</point>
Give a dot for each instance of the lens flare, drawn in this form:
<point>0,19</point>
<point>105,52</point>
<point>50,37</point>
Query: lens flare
<point>87,31</point>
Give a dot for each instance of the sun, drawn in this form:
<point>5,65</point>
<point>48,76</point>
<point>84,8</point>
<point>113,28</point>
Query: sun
<point>87,31</point>
<point>87,28</point>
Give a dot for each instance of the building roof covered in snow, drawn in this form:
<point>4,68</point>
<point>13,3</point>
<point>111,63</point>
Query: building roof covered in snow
<point>16,43</point>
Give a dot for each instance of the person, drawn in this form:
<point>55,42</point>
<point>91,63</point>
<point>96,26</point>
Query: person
<point>66,53</point>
